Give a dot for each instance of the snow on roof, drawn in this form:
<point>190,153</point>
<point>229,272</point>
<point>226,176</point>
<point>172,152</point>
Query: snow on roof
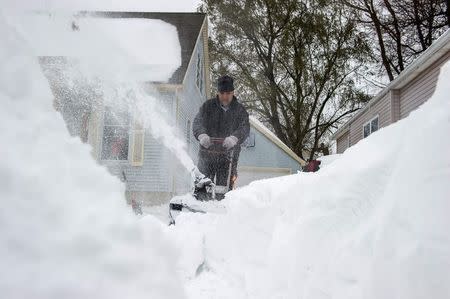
<point>272,137</point>
<point>137,48</point>
<point>189,27</point>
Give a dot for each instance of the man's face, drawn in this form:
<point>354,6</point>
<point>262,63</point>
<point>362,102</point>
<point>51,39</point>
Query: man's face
<point>225,97</point>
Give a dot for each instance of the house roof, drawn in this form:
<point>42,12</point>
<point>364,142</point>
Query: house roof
<point>188,25</point>
<point>260,127</point>
<point>428,57</point>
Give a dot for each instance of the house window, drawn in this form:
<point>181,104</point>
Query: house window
<point>366,130</point>
<point>115,134</point>
<point>249,141</point>
<point>370,126</point>
<point>374,125</point>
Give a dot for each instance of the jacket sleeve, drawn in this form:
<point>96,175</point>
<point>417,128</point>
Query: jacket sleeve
<point>198,126</point>
<point>243,128</point>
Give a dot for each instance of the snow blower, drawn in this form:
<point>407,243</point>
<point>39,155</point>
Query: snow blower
<point>205,192</point>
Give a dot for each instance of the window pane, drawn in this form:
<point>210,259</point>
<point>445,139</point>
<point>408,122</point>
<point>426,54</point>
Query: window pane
<point>249,141</point>
<point>366,130</point>
<point>374,125</point>
<point>115,143</point>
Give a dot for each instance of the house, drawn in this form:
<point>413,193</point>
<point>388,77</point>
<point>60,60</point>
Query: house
<point>264,155</point>
<point>151,172</point>
<point>414,86</point>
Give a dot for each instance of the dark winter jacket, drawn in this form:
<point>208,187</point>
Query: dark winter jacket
<point>213,120</point>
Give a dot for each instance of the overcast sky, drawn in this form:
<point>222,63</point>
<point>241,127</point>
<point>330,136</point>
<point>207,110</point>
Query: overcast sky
<point>122,5</point>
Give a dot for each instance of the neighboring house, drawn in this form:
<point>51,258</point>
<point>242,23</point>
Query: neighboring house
<point>414,86</point>
<point>151,172</point>
<point>264,155</point>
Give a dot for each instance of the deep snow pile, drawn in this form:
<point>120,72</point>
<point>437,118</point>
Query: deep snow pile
<point>327,160</point>
<point>118,48</point>
<point>372,224</point>
<point>65,230</point>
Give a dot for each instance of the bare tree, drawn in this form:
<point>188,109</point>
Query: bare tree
<point>295,63</point>
<point>403,29</point>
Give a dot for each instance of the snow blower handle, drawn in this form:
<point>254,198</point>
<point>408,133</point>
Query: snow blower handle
<point>217,141</point>
<point>217,147</point>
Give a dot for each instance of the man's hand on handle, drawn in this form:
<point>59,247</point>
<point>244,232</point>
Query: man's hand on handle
<point>204,140</point>
<point>230,142</point>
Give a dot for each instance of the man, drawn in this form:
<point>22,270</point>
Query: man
<point>221,117</point>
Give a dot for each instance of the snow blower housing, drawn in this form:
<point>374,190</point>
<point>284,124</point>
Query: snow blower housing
<point>205,188</point>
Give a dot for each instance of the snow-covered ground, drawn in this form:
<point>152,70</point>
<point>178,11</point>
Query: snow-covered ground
<point>372,224</point>
<point>65,229</point>
<point>161,212</point>
<point>327,160</point>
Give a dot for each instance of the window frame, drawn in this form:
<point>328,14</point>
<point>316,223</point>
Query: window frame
<point>369,122</point>
<point>250,141</point>
<point>129,120</point>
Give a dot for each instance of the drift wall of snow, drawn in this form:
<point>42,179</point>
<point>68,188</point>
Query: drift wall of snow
<point>372,224</point>
<point>65,230</point>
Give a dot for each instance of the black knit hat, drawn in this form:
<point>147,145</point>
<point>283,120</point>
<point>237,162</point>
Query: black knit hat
<point>225,83</point>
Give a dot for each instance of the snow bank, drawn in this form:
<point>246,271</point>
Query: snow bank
<point>372,224</point>
<point>327,160</point>
<point>146,49</point>
<point>65,230</point>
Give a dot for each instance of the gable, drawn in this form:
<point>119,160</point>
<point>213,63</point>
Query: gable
<point>258,126</point>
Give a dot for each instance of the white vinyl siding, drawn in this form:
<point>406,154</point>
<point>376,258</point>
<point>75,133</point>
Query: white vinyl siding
<point>419,90</point>
<point>342,143</point>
